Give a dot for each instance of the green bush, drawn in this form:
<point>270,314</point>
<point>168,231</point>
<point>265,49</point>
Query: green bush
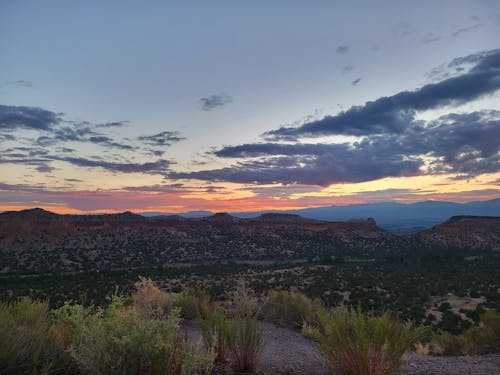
<point>29,341</point>
<point>481,339</point>
<point>119,340</point>
<point>446,344</point>
<point>293,309</point>
<point>192,303</point>
<point>217,333</point>
<point>355,344</point>
<point>245,342</point>
<point>478,340</point>
<point>491,319</point>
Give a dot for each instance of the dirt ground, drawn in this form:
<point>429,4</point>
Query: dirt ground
<point>288,352</point>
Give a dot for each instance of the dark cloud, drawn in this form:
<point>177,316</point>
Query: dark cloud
<point>21,83</point>
<point>156,167</point>
<point>431,38</point>
<point>464,30</point>
<point>394,113</point>
<point>464,144</point>
<point>45,168</point>
<point>321,171</point>
<point>15,117</point>
<point>342,49</point>
<point>309,164</point>
<point>347,69</point>
<point>165,138</point>
<point>7,137</point>
<point>213,101</point>
<point>109,142</point>
<point>356,81</point>
<point>114,124</point>
<point>65,149</point>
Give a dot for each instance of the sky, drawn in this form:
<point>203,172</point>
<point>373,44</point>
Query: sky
<point>247,105</point>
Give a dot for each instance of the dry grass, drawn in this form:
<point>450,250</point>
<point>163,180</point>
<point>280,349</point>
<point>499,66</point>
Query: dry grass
<point>150,300</point>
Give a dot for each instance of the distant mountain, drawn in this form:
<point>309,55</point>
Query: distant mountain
<point>396,217</point>
<point>36,240</point>
<point>399,218</point>
<point>189,214</point>
<point>41,241</point>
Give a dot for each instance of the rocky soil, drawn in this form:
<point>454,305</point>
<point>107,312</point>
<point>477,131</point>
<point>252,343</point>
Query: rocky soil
<point>288,352</point>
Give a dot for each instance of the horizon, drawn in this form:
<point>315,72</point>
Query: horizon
<point>142,213</point>
<point>228,107</point>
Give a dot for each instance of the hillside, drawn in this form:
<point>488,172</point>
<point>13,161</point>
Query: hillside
<point>40,241</point>
<point>465,231</point>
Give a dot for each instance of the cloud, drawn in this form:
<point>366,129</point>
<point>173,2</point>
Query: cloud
<point>462,144</point>
<point>356,81</point>
<point>342,49</point>
<point>156,167</point>
<point>7,137</point>
<point>308,164</point>
<point>464,30</point>
<point>20,83</point>
<point>431,38</point>
<point>114,124</point>
<point>53,132</point>
<point>79,132</point>
<point>394,113</point>
<point>347,69</point>
<point>165,138</point>
<point>45,168</point>
<point>213,101</point>
<point>21,117</point>
<point>109,142</point>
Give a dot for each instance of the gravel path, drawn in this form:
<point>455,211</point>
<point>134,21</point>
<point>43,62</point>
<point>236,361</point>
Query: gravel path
<point>444,365</point>
<point>288,352</point>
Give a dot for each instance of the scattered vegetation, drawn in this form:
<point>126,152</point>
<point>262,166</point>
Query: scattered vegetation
<point>138,337</point>
<point>217,333</point>
<point>481,339</point>
<point>31,342</point>
<point>293,309</point>
<point>141,334</point>
<point>246,341</point>
<point>192,303</point>
<point>356,344</point>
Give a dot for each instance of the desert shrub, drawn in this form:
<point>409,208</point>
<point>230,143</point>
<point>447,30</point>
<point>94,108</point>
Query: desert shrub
<point>293,309</point>
<point>149,299</point>
<point>192,303</point>
<point>244,302</point>
<point>245,342</point>
<point>478,340</point>
<point>217,333</point>
<point>491,319</point>
<point>119,340</point>
<point>446,344</point>
<point>29,339</point>
<point>356,344</point>
<point>481,339</point>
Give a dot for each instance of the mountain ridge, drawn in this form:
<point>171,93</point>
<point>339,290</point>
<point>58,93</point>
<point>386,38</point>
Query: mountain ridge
<point>36,240</point>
